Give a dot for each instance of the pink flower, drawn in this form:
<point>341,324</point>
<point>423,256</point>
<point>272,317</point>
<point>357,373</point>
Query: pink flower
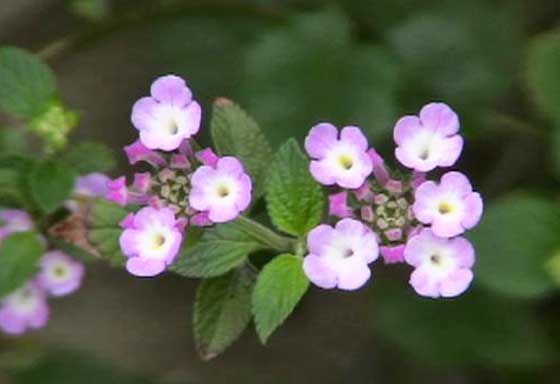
<point>14,220</point>
<point>222,191</point>
<point>117,191</point>
<point>339,256</point>
<point>59,274</point>
<point>169,116</point>
<point>442,266</point>
<point>338,205</point>
<point>342,161</point>
<point>24,309</point>
<point>137,152</point>
<point>428,141</point>
<point>151,241</point>
<point>92,185</point>
<point>451,206</point>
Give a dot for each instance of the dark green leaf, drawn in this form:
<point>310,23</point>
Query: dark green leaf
<point>516,238</point>
<point>87,157</point>
<point>104,230</point>
<point>222,310</point>
<point>26,84</point>
<point>51,183</point>
<point>12,141</point>
<point>280,286</point>
<point>236,133</point>
<point>14,190</point>
<point>221,249</point>
<point>294,200</point>
<point>19,254</point>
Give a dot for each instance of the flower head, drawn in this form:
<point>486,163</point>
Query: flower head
<point>339,256</point>
<point>23,309</point>
<point>442,266</point>
<point>59,274</point>
<point>451,207</point>
<point>338,160</point>
<point>151,240</point>
<point>169,116</point>
<point>222,191</point>
<point>14,220</point>
<point>430,140</point>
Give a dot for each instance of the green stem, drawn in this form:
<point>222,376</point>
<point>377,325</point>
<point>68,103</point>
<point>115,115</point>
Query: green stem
<point>267,236</point>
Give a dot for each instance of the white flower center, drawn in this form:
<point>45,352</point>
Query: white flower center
<point>59,271</point>
<point>346,161</point>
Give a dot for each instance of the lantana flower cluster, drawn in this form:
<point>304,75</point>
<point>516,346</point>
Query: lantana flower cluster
<point>58,275</point>
<point>183,186</point>
<point>400,215</point>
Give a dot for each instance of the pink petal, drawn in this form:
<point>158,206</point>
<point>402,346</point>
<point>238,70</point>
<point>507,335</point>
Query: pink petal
<point>440,117</point>
<point>320,139</point>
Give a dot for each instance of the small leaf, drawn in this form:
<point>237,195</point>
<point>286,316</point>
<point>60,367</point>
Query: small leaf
<point>87,157</point>
<point>222,311</point>
<point>294,200</point>
<point>104,230</point>
<point>19,254</point>
<point>221,249</point>
<point>235,133</point>
<point>516,238</point>
<point>26,84</point>
<point>51,183</point>
<point>280,286</point>
<point>543,76</point>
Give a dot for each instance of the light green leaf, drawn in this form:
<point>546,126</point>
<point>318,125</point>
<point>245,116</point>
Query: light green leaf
<point>474,329</point>
<point>236,133</point>
<point>51,183</point>
<point>220,250</point>
<point>280,286</point>
<point>311,70</point>
<point>295,201</point>
<point>516,238</point>
<point>222,310</point>
<point>87,157</point>
<point>19,254</point>
<point>543,73</point>
<point>27,85</point>
<point>104,230</point>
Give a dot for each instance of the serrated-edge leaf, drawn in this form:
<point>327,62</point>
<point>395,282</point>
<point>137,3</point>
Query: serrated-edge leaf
<point>295,201</point>
<point>222,310</point>
<point>279,288</point>
<point>220,250</point>
<point>19,254</point>
<point>104,230</point>
<point>87,157</point>
<point>235,133</point>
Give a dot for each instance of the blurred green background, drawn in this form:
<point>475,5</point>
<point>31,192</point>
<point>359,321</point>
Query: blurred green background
<point>291,64</point>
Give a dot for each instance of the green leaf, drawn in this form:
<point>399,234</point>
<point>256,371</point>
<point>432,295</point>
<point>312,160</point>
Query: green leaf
<point>19,254</point>
<point>474,329</point>
<point>14,190</point>
<point>222,310</point>
<point>220,250</point>
<point>543,73</point>
<point>12,141</point>
<point>51,183</point>
<point>26,84</point>
<point>236,133</point>
<point>516,238</point>
<point>104,230</point>
<point>295,201</point>
<point>87,157</point>
<point>280,286</point>
<point>311,70</point>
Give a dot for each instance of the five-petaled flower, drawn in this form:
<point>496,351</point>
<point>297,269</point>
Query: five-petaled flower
<point>59,274</point>
<point>24,309</point>
<point>339,257</point>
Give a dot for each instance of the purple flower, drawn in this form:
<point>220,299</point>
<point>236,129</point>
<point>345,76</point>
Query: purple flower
<point>92,185</point>
<point>137,152</point>
<point>222,191</point>
<point>339,256</point>
<point>24,309</point>
<point>338,205</point>
<point>343,161</point>
<point>151,241</point>
<point>14,220</point>
<point>442,266</point>
<point>59,274</point>
<point>451,206</point>
<point>169,116</point>
<point>428,141</point>
<point>117,191</point>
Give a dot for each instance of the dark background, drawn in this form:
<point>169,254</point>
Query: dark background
<point>291,64</point>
